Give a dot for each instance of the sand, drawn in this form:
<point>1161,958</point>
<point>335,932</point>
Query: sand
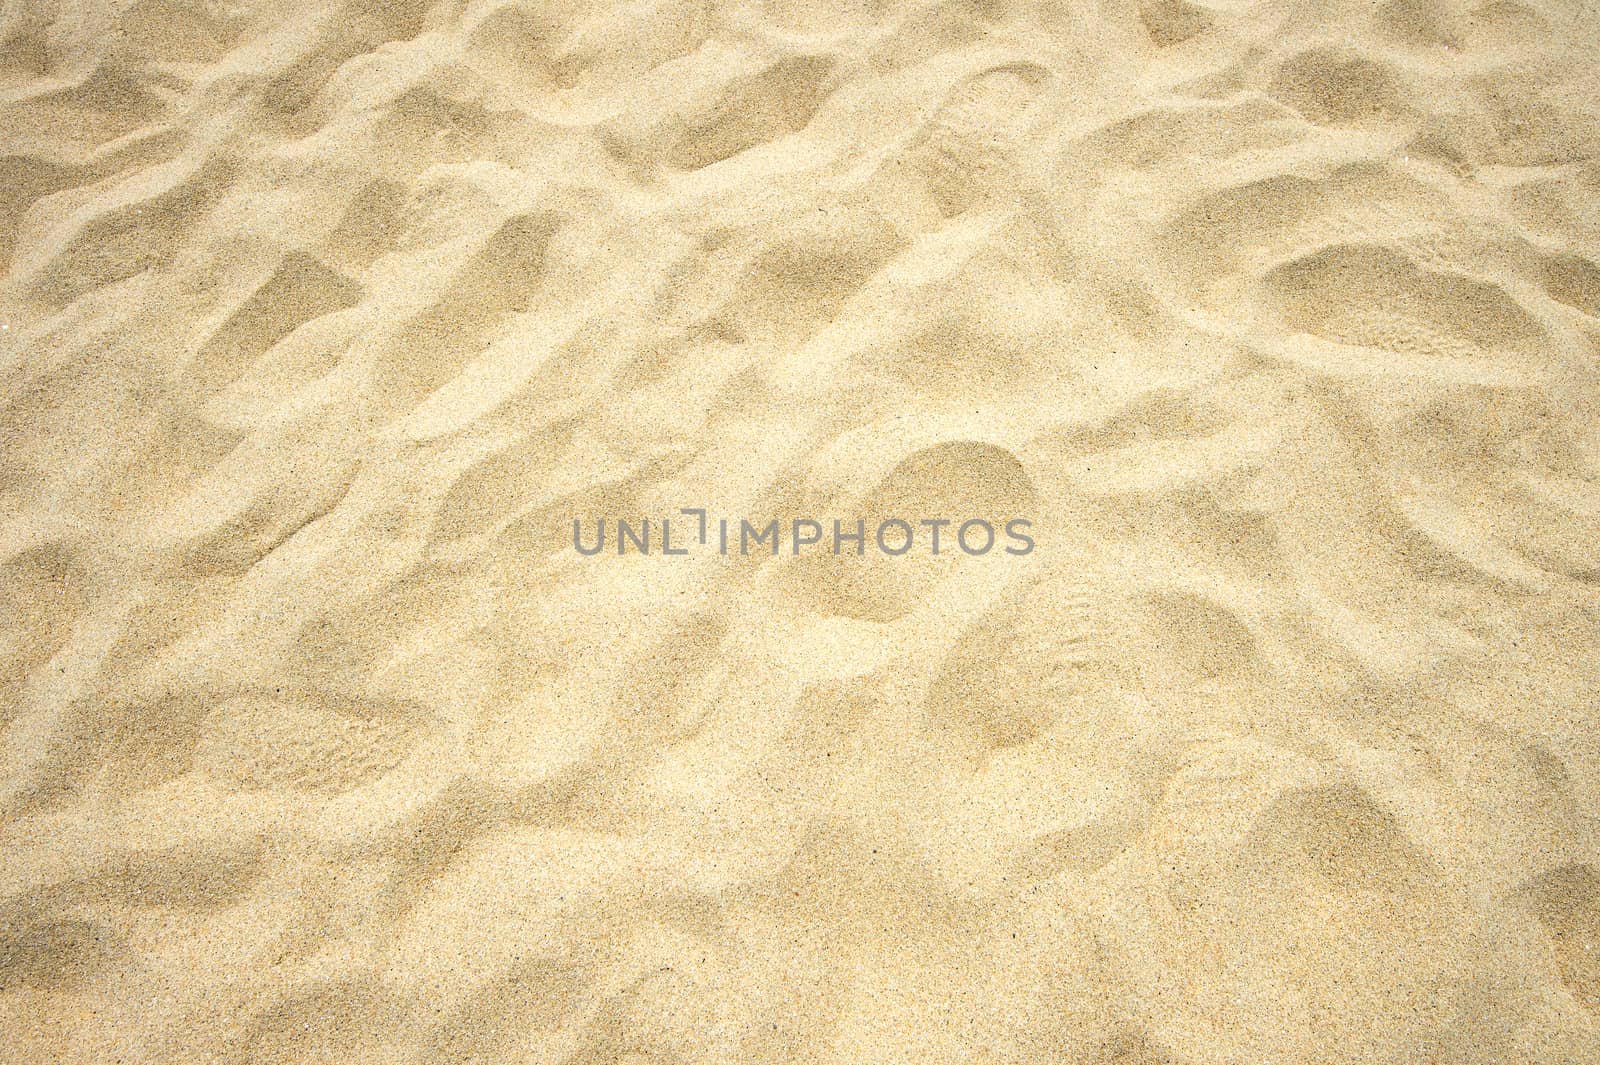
<point>1276,324</point>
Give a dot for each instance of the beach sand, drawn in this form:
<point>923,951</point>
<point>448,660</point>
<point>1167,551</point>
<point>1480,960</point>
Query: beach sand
<point>324,321</point>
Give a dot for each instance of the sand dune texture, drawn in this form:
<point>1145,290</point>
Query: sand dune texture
<point>323,320</point>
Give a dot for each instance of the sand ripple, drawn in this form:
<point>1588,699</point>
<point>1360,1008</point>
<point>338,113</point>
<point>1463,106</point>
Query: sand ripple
<point>323,320</point>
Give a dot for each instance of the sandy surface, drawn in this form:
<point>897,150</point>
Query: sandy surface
<point>322,322</point>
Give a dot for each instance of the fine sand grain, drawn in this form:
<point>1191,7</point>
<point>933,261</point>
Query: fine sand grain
<point>322,321</point>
